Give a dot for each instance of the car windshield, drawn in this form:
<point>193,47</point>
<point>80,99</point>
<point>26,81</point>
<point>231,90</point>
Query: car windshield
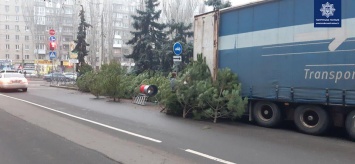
<point>8,75</point>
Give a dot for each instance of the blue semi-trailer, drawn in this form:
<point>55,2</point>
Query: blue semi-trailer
<point>290,68</point>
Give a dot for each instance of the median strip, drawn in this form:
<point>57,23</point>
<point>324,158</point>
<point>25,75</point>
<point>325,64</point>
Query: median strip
<point>86,120</point>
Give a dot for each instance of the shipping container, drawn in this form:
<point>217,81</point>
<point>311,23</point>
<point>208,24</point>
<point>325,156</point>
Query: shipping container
<point>289,67</point>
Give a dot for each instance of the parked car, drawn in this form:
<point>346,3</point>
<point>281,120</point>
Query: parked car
<point>29,73</point>
<point>56,77</point>
<point>13,80</point>
<point>71,75</point>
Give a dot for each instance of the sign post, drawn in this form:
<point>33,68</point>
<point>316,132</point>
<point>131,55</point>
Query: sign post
<point>177,58</point>
<point>52,46</point>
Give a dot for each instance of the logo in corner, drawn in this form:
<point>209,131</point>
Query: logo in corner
<point>327,10</point>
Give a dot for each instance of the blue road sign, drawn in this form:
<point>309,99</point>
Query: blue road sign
<point>177,48</point>
<point>52,55</point>
<point>52,38</point>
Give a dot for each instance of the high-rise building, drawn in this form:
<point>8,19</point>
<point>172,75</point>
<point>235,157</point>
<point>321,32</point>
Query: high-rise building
<point>43,16</point>
<point>111,22</point>
<point>15,36</point>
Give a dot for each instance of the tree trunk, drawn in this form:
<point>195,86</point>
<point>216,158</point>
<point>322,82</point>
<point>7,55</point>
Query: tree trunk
<point>215,116</point>
<point>184,112</point>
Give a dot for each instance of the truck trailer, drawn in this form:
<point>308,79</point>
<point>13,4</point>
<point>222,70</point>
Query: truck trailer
<point>295,59</point>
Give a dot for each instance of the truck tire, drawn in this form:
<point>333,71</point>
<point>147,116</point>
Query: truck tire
<point>311,119</point>
<point>267,114</point>
<point>350,125</point>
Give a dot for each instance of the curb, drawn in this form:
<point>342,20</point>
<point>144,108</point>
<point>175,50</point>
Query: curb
<point>64,87</point>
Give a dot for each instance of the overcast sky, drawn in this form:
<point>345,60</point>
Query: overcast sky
<point>241,2</point>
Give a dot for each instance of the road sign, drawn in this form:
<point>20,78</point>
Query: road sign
<point>177,58</point>
<point>51,32</point>
<point>52,54</point>
<point>177,48</point>
<point>52,38</point>
<point>73,61</point>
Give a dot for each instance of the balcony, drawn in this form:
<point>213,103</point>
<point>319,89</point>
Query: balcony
<point>117,45</point>
<point>41,51</point>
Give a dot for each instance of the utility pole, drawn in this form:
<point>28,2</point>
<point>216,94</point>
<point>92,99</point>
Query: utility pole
<point>102,37</point>
<point>23,61</point>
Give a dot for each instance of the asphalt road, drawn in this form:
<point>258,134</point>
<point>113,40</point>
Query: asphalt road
<point>130,133</point>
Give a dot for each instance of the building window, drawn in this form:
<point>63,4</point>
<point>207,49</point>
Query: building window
<point>7,17</point>
<point>17,56</point>
<point>27,37</point>
<point>68,2</point>
<point>48,28</point>
<point>17,37</point>
<point>41,56</point>
<point>40,20</point>
<point>27,28</point>
<point>40,37</point>
<point>27,47</point>
<point>40,11</point>
<point>7,8</point>
<point>27,56</point>
<point>7,27</point>
<point>17,27</point>
<point>40,46</point>
<point>17,47</point>
<point>7,56</point>
<point>7,37</point>
<point>7,46</point>
<point>49,4</point>
<point>17,18</point>
<point>17,9</point>
<point>68,11</point>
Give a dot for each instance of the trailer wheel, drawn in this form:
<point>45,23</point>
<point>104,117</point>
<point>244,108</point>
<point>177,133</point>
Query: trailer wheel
<point>311,119</point>
<point>350,124</point>
<point>266,114</point>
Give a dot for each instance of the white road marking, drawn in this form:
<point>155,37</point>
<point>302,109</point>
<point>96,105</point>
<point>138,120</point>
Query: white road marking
<point>294,45</point>
<point>302,53</point>
<point>329,65</point>
<point>83,119</point>
<point>209,157</point>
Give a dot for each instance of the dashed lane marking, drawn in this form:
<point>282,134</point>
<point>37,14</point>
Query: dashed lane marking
<point>208,156</point>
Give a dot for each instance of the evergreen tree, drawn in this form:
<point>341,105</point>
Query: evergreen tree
<point>221,98</point>
<point>218,4</point>
<point>148,38</point>
<point>113,80</point>
<point>81,44</point>
<point>187,91</point>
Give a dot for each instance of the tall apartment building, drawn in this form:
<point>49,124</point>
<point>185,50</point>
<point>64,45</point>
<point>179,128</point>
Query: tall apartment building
<point>24,31</point>
<point>111,25</point>
<point>15,36</point>
<point>59,15</point>
<point>122,15</point>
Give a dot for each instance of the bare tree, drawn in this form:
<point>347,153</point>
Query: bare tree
<point>94,13</point>
<point>179,11</point>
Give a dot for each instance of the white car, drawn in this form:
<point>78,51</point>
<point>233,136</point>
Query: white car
<point>70,75</point>
<point>13,80</point>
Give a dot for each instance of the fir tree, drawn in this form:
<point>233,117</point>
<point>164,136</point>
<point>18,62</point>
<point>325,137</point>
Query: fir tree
<point>81,44</point>
<point>148,38</point>
<point>218,4</point>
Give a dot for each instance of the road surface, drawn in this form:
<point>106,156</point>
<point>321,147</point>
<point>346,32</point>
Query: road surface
<point>129,133</point>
